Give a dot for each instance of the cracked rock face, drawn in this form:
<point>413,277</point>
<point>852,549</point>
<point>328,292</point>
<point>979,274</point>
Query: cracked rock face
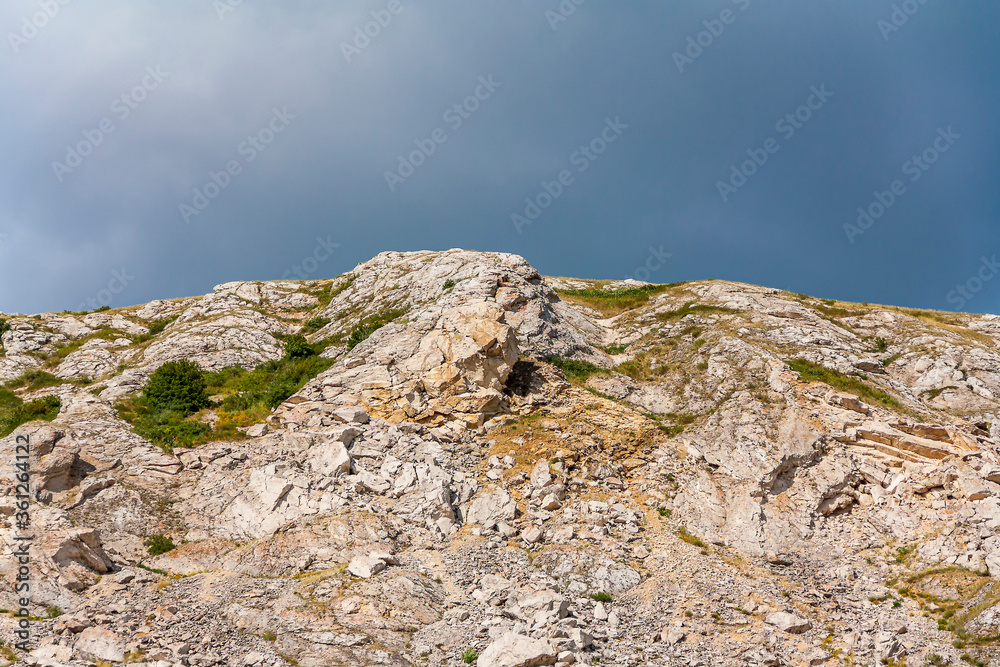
<point>506,466</point>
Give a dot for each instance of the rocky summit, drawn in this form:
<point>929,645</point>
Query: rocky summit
<point>443,458</point>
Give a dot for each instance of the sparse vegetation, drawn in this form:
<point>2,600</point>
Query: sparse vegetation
<point>158,544</point>
<point>269,636</point>
<point>691,309</point>
<point>448,284</point>
<point>370,325</point>
<point>53,612</point>
<point>470,655</point>
<point>575,370</point>
<point>601,596</point>
<point>315,324</point>
<point>156,327</point>
<point>693,540</point>
<point>34,380</point>
<point>14,412</point>
<point>888,361</point>
<point>934,393</point>
<point>811,372</point>
<point>613,302</point>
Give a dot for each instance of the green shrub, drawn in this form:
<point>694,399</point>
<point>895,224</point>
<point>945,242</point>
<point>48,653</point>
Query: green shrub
<point>158,544</point>
<point>178,386</point>
<point>315,324</point>
<point>53,612</point>
<point>269,636</point>
<point>14,412</point>
<point>448,284</point>
<point>4,326</point>
<point>297,347</point>
<point>601,596</point>
<point>470,655</point>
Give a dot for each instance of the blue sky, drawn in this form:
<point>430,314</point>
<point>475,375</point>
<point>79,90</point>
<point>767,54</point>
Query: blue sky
<point>153,150</point>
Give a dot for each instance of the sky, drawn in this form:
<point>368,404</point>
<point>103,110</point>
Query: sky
<point>845,149</point>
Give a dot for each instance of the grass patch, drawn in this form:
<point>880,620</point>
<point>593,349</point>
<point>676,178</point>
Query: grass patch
<point>934,393</point>
<point>315,324</point>
<point>601,596</point>
<point>370,325</point>
<point>575,370</point>
<point>329,292</point>
<point>34,380</point>
<point>810,372</point>
<point>470,655</point>
<point>613,302</point>
<point>156,327</point>
<point>14,412</point>
<point>888,361</point>
<point>693,540</point>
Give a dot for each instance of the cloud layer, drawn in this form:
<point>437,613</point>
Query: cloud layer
<point>195,142</point>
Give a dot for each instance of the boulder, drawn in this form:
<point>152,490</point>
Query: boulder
<point>102,644</point>
<point>491,508</point>
<point>788,622</point>
<point>513,650</point>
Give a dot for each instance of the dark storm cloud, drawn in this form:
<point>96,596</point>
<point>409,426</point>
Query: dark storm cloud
<point>297,136</point>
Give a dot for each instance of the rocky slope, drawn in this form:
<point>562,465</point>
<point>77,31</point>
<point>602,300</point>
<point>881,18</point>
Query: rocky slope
<point>517,470</point>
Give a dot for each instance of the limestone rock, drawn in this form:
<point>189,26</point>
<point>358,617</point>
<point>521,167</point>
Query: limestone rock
<point>512,650</point>
<point>788,622</point>
<point>101,644</point>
